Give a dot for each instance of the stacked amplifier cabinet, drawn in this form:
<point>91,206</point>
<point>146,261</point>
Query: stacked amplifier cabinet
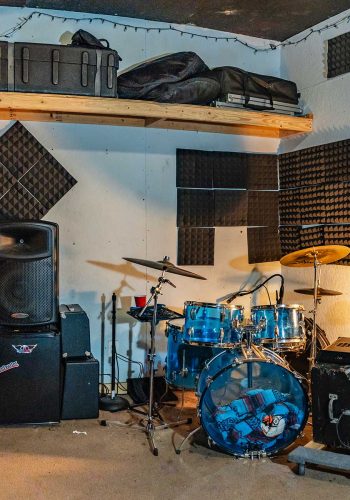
<point>331,395</point>
<point>30,343</point>
<point>80,369</point>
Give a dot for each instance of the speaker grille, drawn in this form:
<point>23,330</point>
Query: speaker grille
<point>27,288</point>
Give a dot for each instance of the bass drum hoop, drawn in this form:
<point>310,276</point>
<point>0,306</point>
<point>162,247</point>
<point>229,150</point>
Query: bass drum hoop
<point>233,366</point>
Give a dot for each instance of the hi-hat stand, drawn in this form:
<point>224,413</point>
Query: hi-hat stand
<point>154,420</point>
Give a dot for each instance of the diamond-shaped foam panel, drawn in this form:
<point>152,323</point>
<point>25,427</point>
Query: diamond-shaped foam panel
<point>262,172</point>
<point>231,207</point>
<point>338,56</point>
<point>32,180</point>
<point>195,247</point>
<point>193,169</point>
<point>195,207</point>
<point>48,181</point>
<point>263,244</point>
<point>263,208</point>
<point>18,203</point>
<point>19,150</point>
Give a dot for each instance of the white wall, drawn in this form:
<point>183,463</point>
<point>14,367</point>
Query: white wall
<point>329,101</point>
<point>124,203</point>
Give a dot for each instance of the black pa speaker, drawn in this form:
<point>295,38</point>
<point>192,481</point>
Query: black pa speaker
<point>29,273</point>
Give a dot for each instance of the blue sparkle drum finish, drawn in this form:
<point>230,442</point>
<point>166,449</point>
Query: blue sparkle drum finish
<point>212,323</point>
<point>282,325</point>
<point>251,406</point>
<point>184,361</point>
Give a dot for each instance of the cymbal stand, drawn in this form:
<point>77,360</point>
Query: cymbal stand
<point>152,414</point>
<point>313,349</point>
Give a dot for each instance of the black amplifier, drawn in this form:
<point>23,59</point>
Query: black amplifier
<point>338,352</point>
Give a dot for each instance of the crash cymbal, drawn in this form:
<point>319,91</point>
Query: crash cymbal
<point>321,292</point>
<point>324,254</point>
<point>164,265</point>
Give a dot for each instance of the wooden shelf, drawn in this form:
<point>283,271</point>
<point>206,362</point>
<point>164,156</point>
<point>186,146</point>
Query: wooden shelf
<point>123,112</point>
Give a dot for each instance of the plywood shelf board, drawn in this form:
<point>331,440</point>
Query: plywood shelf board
<point>123,112</point>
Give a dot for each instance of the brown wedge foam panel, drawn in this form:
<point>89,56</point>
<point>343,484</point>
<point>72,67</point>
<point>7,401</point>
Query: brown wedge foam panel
<point>337,161</point>
<point>337,202</point>
<point>338,56</point>
<point>231,207</point>
<point>290,239</point>
<point>32,181</point>
<point>263,208</point>
<point>195,247</point>
<point>195,208</point>
<point>312,204</point>
<point>338,234</point>
<point>289,207</point>
<point>263,244</point>
<point>311,236</point>
<point>262,172</point>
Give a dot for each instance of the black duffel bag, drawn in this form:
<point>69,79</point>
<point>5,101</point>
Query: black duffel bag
<point>140,81</point>
<point>196,90</point>
<point>237,81</point>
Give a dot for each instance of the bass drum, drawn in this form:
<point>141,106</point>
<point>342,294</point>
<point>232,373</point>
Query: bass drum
<point>251,406</point>
<point>299,361</point>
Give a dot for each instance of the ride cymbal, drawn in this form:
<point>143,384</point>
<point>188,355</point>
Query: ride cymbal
<point>321,292</point>
<point>324,255</point>
<point>165,265</point>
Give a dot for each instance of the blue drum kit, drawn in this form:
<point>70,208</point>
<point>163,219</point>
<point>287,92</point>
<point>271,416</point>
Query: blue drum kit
<point>251,402</point>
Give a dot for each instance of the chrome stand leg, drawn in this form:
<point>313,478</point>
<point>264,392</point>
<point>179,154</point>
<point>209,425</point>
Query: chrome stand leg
<point>192,433</point>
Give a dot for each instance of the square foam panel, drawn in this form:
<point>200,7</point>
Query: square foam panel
<point>289,207</point>
<point>263,208</point>
<point>337,202</point>
<point>338,56</point>
<point>312,204</point>
<point>262,172</point>
<point>289,170</point>
<point>263,244</point>
<point>32,180</point>
<point>193,169</point>
<point>231,207</point>
<point>311,236</point>
<point>195,207</point>
<point>195,246</point>
<point>290,239</point>
<point>229,170</point>
<point>338,234</point>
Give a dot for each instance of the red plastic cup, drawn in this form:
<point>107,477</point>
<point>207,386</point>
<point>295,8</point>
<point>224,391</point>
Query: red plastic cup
<point>140,300</point>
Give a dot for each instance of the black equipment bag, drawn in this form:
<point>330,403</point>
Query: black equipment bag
<point>196,90</point>
<point>237,81</point>
<point>172,68</point>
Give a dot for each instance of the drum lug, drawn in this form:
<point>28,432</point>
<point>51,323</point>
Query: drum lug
<point>208,381</point>
<point>190,331</point>
<point>184,372</point>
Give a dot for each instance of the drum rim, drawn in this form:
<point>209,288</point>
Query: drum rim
<point>302,426</point>
<point>298,307</point>
<point>212,305</point>
<point>169,324</point>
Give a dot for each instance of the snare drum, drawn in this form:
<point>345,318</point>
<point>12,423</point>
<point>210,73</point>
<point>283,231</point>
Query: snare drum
<point>281,325</point>
<point>184,361</point>
<point>251,403</point>
<point>212,323</point>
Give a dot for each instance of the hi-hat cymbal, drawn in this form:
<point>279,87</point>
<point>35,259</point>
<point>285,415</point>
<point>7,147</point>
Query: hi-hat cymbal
<point>321,292</point>
<point>164,265</point>
<point>324,255</point>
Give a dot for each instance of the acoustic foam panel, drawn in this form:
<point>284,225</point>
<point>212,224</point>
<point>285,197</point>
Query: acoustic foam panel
<point>337,202</point>
<point>311,236</point>
<point>337,161</point>
<point>312,204</point>
<point>195,208</point>
<point>289,170</point>
<point>338,56</point>
<point>338,234</point>
<point>231,208</point>
<point>32,180</point>
<point>193,170</point>
<point>263,208</point>
<point>262,172</point>
<point>195,247</point>
<point>263,244</point>
<point>290,239</point>
<point>289,207</point>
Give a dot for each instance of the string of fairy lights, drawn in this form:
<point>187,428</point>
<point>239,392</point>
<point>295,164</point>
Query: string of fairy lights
<point>22,21</point>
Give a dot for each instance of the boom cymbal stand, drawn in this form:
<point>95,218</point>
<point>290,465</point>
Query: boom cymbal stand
<point>154,420</point>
